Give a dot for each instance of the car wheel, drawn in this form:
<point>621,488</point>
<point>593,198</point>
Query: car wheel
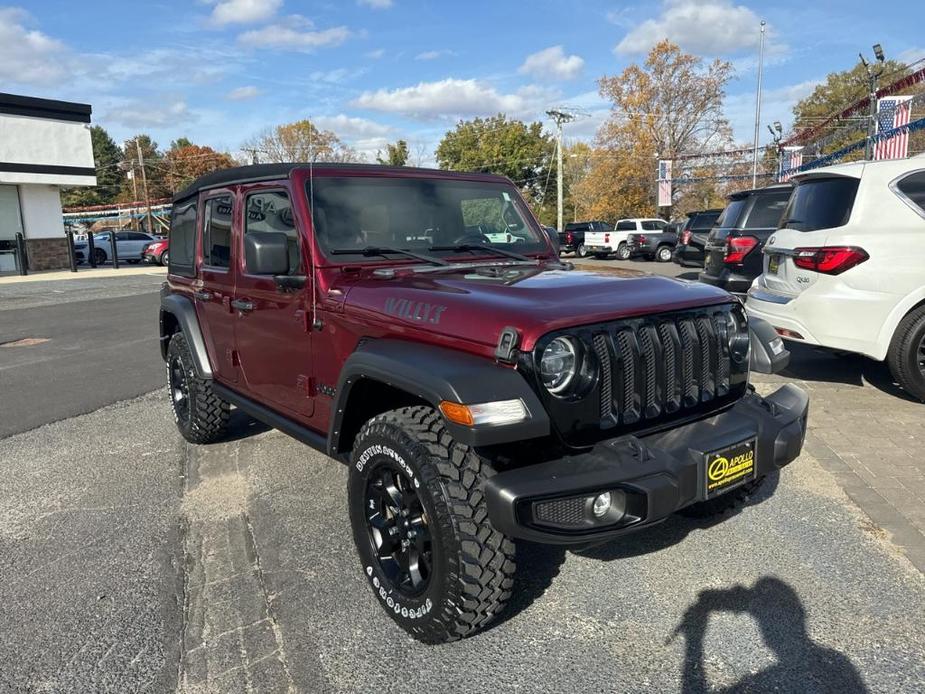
<point>419,519</point>
<point>663,254</point>
<point>164,259</point>
<point>99,255</point>
<point>723,503</point>
<point>906,356</point>
<point>581,251</point>
<point>201,416</point>
<point>623,252</point>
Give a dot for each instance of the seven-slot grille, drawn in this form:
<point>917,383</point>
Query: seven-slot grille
<point>661,365</point>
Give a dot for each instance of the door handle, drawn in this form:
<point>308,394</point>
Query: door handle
<point>202,295</point>
<point>243,305</point>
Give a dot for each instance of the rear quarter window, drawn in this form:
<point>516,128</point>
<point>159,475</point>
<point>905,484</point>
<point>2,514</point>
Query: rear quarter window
<point>767,210</point>
<point>183,239</point>
<point>703,222</point>
<point>731,213</point>
<point>912,188</point>
<point>820,203</point>
<point>652,225</point>
<point>626,226</point>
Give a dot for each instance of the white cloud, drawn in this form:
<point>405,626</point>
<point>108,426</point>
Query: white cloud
<point>433,55</point>
<point>376,54</point>
<point>337,75</point>
<point>714,27</point>
<point>552,63</point>
<point>149,113</point>
<point>451,98</point>
<point>351,126</point>
<point>294,33</point>
<point>243,93</point>
<point>244,11</point>
<point>376,4</point>
<point>27,56</point>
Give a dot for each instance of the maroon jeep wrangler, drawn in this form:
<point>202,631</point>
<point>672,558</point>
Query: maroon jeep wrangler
<point>419,326</point>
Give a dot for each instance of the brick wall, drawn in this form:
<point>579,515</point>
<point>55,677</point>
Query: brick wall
<point>47,254</point>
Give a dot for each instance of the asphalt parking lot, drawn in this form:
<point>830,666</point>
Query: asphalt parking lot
<point>133,561</point>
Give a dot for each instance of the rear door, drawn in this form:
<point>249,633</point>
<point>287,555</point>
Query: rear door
<point>699,227</point>
<point>818,206</point>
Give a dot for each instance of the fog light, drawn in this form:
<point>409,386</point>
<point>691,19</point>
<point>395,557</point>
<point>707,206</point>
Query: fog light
<point>602,504</point>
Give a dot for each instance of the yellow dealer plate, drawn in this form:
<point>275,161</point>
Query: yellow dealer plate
<point>729,467</point>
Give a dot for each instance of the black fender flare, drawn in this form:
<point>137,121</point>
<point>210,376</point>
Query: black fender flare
<point>768,354</point>
<point>435,374</point>
<point>183,311</point>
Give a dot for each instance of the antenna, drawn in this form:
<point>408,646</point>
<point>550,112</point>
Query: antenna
<point>316,325</point>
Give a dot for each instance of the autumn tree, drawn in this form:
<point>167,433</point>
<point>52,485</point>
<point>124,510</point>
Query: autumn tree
<point>185,163</point>
<point>521,151</point>
<point>300,142</point>
<point>669,105</point>
<point>395,154</point>
<point>154,170</point>
<point>106,159</point>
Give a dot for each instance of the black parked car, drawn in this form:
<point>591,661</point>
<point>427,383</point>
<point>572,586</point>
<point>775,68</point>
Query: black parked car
<point>733,250</point>
<point>693,237</point>
<point>572,239</point>
<point>654,245</point>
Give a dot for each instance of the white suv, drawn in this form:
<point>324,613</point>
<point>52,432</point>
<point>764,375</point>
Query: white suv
<point>847,270</point>
<point>603,243</point>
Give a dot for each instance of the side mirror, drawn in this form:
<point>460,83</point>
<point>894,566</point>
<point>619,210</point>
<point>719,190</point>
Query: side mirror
<point>266,253</point>
<point>768,354</point>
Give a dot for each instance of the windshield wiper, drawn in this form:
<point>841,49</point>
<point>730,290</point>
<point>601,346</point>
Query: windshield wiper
<point>482,247</point>
<point>385,250</point>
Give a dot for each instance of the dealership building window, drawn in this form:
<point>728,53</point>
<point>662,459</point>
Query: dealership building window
<point>44,146</point>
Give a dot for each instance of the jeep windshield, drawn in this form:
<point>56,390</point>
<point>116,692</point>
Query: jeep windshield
<point>443,218</point>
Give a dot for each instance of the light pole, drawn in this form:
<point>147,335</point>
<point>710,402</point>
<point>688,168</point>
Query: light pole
<point>873,76</point>
<point>560,117</point>
<point>777,134</point>
<point>758,103</point>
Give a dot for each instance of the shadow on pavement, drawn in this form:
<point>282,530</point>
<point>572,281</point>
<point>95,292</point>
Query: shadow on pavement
<point>802,664</point>
<point>242,426</point>
<point>816,364</point>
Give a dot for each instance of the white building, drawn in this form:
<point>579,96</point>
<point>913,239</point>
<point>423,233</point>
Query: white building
<point>44,145</point>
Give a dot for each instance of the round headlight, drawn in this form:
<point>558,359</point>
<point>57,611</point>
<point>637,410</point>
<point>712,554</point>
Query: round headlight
<point>559,364</point>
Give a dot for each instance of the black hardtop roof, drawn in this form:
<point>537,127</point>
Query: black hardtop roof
<point>267,172</point>
<point>774,187</point>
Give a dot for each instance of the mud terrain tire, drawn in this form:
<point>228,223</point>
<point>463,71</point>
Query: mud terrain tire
<point>201,416</point>
<point>469,564</point>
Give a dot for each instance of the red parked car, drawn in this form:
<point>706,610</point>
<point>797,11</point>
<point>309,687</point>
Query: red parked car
<point>479,389</point>
<point>157,253</point>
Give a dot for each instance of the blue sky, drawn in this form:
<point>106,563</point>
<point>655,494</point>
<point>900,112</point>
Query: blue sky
<point>374,71</point>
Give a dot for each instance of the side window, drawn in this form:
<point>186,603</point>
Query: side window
<point>183,239</point>
<point>272,211</point>
<point>216,232</point>
<point>653,225</point>
<point>123,236</point>
<point>913,188</point>
<point>137,236</point>
<point>626,226</point>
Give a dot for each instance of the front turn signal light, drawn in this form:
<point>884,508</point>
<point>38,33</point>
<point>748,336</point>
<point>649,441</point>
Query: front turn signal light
<point>486,413</point>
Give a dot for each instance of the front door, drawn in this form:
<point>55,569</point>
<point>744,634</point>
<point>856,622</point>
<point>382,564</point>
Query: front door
<point>214,288</point>
<point>272,329</point>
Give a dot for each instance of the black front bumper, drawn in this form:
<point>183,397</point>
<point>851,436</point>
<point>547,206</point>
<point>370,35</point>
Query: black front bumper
<point>659,473</point>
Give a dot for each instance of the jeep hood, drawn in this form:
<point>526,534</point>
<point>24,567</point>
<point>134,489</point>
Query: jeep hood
<point>476,303</point>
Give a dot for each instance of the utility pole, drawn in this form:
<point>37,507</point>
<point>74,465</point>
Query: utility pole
<point>758,103</point>
<point>873,77</point>
<point>144,182</point>
<point>560,117</point>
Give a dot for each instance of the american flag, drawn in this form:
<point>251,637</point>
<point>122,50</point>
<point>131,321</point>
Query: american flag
<point>893,113</point>
<point>793,160</point>
<point>664,183</point>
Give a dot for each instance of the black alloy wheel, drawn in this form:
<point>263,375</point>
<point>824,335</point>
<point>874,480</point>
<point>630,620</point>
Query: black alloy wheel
<point>179,390</point>
<point>397,526</point>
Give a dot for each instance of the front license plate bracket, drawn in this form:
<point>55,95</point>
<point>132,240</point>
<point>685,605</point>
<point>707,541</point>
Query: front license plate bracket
<point>728,468</point>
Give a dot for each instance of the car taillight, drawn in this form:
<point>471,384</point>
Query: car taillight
<point>606,238</point>
<point>829,260</point>
<point>685,237</point>
<point>737,247</point>
<point>641,238</point>
<point>568,236</point>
